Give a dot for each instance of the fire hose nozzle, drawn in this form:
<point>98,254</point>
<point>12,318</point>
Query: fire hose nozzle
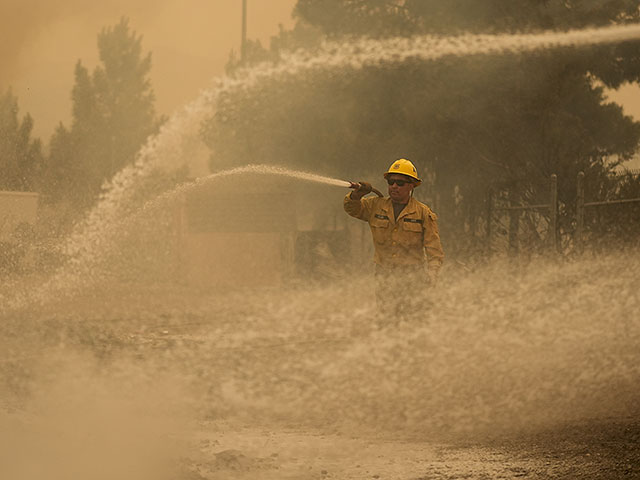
<point>365,186</point>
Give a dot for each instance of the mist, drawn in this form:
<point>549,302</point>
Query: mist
<point>44,40</point>
<point>213,314</point>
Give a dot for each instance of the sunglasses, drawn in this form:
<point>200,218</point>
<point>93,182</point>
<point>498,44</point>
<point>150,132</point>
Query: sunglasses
<point>400,183</point>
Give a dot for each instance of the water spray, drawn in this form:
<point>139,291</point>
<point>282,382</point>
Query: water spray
<point>81,272</point>
<point>285,172</point>
<point>178,138</point>
<point>498,350</point>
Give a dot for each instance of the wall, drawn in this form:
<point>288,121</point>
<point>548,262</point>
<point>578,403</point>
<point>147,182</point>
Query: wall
<point>16,208</point>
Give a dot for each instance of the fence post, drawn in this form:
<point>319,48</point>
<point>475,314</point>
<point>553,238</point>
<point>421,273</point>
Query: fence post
<point>578,240</point>
<point>512,234</point>
<point>180,224</point>
<point>514,226</point>
<point>553,217</point>
<point>489,220</point>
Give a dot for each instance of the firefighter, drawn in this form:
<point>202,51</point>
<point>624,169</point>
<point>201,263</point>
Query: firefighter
<point>405,236</point>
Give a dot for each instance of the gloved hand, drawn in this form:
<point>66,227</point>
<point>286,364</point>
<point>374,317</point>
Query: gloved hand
<point>361,189</point>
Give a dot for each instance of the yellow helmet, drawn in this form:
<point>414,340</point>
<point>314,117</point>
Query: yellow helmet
<point>404,167</point>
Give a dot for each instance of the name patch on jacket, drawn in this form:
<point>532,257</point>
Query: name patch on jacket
<point>412,220</point>
<point>381,217</point>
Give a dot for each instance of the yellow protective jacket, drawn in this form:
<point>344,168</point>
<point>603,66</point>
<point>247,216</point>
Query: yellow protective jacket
<point>410,240</point>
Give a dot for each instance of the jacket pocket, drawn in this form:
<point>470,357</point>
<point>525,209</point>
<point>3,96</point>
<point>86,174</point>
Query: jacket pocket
<point>379,229</point>
<point>411,231</point>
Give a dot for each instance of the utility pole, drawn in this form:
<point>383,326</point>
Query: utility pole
<point>579,213</point>
<point>243,43</point>
<point>553,214</point>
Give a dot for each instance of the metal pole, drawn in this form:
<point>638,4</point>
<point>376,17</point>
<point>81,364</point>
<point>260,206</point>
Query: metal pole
<point>181,238</point>
<point>489,220</point>
<point>514,226</point>
<point>553,216</point>
<point>579,212</point>
<point>243,43</point>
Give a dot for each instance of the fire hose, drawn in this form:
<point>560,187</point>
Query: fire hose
<point>357,185</point>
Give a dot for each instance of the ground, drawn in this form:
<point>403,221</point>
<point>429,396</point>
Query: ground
<point>505,374</point>
<point>598,451</point>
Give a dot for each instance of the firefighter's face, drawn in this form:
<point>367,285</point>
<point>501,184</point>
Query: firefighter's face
<point>400,187</point>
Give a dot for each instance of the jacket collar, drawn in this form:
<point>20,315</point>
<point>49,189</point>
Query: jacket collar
<point>410,208</point>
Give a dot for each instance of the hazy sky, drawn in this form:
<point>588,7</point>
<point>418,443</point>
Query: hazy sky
<point>190,41</point>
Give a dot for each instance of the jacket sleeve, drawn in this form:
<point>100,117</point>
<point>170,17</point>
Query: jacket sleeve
<point>360,209</point>
<point>432,244</point>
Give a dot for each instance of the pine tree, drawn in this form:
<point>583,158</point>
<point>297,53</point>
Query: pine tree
<point>113,114</point>
<point>471,121</point>
<point>20,155</point>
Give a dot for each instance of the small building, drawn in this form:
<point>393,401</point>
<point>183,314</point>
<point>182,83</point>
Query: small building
<point>18,214</point>
<point>16,209</point>
<point>261,230</point>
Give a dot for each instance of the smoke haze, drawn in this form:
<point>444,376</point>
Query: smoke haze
<point>40,42</point>
<point>121,359</point>
<point>190,43</point>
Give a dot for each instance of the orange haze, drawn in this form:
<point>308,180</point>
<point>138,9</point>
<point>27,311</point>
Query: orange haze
<point>190,41</point>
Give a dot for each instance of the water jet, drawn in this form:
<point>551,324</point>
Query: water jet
<point>489,358</point>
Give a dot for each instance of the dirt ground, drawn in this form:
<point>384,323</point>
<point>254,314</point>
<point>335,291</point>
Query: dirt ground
<point>598,451</point>
<point>541,368</point>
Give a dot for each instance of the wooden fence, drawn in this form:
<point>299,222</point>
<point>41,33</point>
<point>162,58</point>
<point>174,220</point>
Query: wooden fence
<point>581,205</point>
<point>514,211</point>
<point>548,210</point>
